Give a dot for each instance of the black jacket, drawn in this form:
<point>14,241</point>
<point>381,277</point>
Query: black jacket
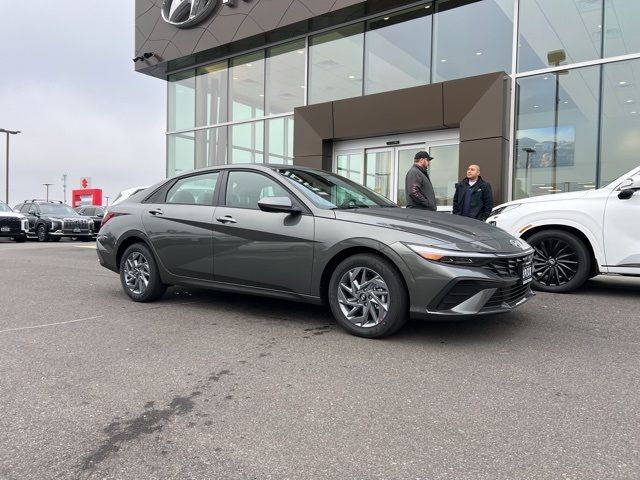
<point>419,190</point>
<point>481,199</point>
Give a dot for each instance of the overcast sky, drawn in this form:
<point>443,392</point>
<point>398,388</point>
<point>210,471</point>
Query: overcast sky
<point>67,82</point>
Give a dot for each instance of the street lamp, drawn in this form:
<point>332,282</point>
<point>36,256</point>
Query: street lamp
<point>47,185</point>
<point>527,167</point>
<point>107,197</point>
<point>8,132</point>
<point>555,58</point>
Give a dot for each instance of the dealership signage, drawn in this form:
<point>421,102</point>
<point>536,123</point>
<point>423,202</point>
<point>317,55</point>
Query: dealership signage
<point>187,13</point>
<point>85,182</point>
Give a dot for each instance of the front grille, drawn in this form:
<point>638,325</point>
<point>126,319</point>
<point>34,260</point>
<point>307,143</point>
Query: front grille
<point>509,295</point>
<point>13,224</point>
<point>507,267</point>
<point>68,225</point>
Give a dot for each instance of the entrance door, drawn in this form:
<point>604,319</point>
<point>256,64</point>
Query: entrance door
<point>383,168</point>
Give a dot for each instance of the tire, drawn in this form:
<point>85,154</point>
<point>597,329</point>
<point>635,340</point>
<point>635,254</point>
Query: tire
<point>561,261</point>
<point>54,239</point>
<point>42,233</point>
<point>136,266</point>
<point>366,308</point>
<point>85,239</point>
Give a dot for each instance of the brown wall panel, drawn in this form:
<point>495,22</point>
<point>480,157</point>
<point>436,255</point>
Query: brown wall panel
<point>312,125</point>
<point>399,111</point>
<point>460,96</point>
<point>488,117</point>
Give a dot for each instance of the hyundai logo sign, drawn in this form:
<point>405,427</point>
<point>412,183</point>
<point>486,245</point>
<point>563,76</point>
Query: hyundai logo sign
<point>187,13</point>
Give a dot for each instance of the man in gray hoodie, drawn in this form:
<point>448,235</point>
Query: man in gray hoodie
<point>418,185</point>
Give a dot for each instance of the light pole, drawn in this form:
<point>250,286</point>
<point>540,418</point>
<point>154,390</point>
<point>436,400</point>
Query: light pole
<point>47,185</point>
<point>8,132</point>
<point>107,197</point>
<point>555,58</point>
<point>527,167</point>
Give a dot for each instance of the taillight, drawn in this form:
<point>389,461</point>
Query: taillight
<point>108,217</point>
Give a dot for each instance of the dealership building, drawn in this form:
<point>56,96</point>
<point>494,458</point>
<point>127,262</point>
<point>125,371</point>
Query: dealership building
<point>544,95</point>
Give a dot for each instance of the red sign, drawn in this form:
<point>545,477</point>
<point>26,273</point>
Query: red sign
<point>85,182</point>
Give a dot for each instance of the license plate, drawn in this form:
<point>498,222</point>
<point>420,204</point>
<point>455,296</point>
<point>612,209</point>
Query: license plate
<point>526,273</point>
<point>76,230</point>
<point>5,229</point>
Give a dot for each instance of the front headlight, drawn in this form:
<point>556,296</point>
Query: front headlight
<point>504,208</point>
<point>451,257</point>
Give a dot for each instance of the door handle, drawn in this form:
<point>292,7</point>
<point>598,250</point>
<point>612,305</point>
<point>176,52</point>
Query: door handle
<point>226,219</point>
<point>156,211</point>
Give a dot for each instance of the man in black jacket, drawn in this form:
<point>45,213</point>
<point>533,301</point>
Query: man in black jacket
<point>418,186</point>
<point>473,197</point>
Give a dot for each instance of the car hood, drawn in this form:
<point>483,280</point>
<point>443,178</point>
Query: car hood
<point>556,197</point>
<point>11,215</point>
<point>444,230</point>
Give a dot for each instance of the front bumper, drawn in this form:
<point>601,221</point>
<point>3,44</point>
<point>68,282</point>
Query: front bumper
<point>66,233</point>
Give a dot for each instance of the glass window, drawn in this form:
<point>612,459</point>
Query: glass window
<point>472,37</point>
<point>556,148</point>
<point>620,130</point>
<point>196,190</point>
<point>327,190</point>
<point>621,32</point>
<point>280,140</point>
<point>378,171</point>
<point>211,147</point>
<point>335,64</point>
<point>211,94</point>
<point>180,153</point>
<point>246,87</point>
<point>247,143</point>
<point>99,211</point>
<point>558,33</point>
<point>246,189</point>
<point>443,172</point>
<point>88,211</point>
<point>181,108</point>
<point>285,77</point>
<point>350,165</point>
<point>398,50</point>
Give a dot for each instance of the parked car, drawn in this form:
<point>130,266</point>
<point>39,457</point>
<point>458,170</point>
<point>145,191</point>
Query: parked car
<point>578,235</point>
<point>12,224</point>
<point>95,212</point>
<point>312,236</point>
<point>53,220</point>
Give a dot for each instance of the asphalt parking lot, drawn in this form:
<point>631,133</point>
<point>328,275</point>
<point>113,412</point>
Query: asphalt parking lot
<point>206,385</point>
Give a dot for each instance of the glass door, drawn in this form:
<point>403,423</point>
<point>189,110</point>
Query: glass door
<point>379,171</point>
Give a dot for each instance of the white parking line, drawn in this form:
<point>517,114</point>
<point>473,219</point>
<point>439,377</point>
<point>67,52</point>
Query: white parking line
<point>51,324</point>
<point>93,246</point>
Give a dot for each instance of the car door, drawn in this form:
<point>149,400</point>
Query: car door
<point>256,248</point>
<point>30,210</point>
<point>621,233</point>
<point>179,226</point>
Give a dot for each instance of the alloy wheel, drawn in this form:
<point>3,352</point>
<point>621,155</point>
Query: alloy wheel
<point>363,297</point>
<point>554,262</point>
<point>137,273</point>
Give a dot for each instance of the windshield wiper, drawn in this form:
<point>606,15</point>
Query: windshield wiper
<point>350,207</point>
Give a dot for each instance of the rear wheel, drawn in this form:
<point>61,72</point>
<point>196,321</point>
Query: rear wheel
<point>368,297</point>
<point>561,262</point>
<point>139,274</point>
<point>43,233</point>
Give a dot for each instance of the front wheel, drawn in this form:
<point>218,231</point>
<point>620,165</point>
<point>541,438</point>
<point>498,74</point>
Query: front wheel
<point>368,297</point>
<point>139,274</point>
<point>42,233</point>
<point>561,262</point>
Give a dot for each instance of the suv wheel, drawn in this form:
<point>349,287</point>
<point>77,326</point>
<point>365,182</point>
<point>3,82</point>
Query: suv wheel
<point>42,233</point>
<point>139,274</point>
<point>368,297</point>
<point>561,262</point>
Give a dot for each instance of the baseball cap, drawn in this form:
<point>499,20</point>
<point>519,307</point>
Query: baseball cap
<point>423,154</point>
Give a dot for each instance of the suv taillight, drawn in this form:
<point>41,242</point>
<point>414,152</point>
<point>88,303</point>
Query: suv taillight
<point>108,217</point>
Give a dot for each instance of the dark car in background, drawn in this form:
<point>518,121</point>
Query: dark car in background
<point>53,220</point>
<point>95,212</point>
<point>12,224</point>
<point>309,235</point>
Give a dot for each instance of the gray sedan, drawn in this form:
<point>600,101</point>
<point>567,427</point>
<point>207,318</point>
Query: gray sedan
<point>308,235</point>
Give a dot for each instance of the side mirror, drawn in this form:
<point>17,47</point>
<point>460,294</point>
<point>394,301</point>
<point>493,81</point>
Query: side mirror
<point>628,188</point>
<point>277,204</point>
<point>100,215</point>
<point>33,212</point>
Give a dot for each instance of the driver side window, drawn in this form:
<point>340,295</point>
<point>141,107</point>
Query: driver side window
<point>246,189</point>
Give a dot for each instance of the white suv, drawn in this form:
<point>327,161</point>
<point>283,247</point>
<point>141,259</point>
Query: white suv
<point>578,235</point>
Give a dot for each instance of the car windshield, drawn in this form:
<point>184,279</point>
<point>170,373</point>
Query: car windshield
<point>5,208</point>
<point>330,191</point>
<point>55,209</point>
